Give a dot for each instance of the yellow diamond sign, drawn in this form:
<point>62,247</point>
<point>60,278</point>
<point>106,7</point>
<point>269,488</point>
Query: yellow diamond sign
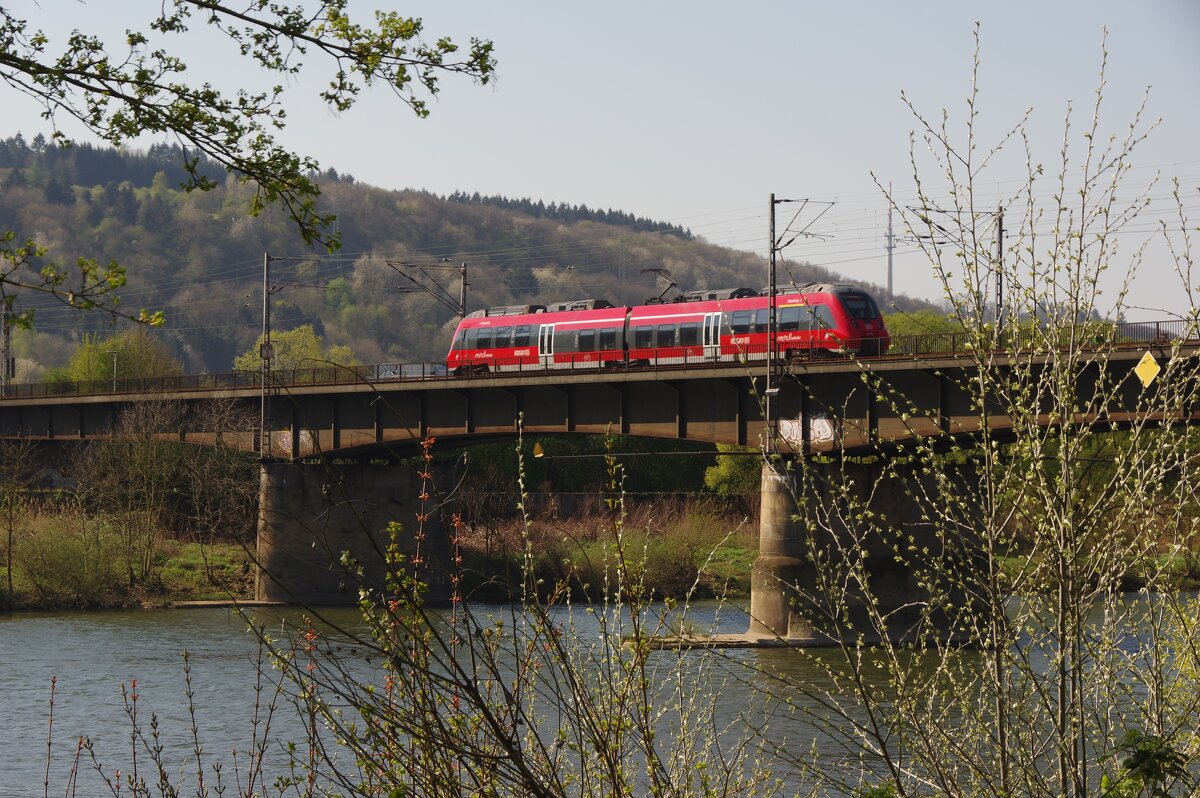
<point>1147,369</point>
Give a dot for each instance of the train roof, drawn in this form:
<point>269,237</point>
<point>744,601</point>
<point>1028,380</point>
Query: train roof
<point>811,288</point>
<point>507,310</point>
<point>710,294</point>
<point>578,304</point>
<point>697,295</point>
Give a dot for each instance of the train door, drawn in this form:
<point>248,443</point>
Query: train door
<point>546,346</point>
<point>712,336</point>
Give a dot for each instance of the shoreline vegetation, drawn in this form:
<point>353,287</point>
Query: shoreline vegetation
<point>695,548</point>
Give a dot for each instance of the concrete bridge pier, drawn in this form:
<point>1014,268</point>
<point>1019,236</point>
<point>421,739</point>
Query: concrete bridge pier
<point>847,552</point>
<point>312,513</point>
<point>780,565</point>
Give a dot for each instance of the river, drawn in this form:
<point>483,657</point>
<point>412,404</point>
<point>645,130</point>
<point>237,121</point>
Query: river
<point>91,656</point>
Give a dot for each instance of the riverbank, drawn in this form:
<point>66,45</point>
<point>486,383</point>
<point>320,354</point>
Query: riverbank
<point>668,550</point>
<point>676,549</point>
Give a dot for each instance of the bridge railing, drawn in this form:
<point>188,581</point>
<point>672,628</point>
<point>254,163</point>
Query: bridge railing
<point>1026,338</point>
<point>1022,338</point>
<point>232,381</point>
<point>184,382</point>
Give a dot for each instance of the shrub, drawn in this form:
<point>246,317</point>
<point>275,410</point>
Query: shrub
<point>72,562</point>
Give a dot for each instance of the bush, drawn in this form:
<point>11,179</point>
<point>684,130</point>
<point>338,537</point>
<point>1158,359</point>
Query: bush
<point>71,562</point>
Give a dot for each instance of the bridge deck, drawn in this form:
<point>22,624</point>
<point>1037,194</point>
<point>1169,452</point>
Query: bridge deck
<point>822,405</point>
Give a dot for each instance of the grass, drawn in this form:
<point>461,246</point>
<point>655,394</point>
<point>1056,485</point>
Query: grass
<point>202,572</point>
<point>1181,569</point>
<point>674,548</point>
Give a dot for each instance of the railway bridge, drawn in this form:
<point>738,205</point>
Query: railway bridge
<point>331,440</point>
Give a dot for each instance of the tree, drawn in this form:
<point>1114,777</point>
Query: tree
<point>1023,536</point>
<point>921,322</point>
<point>17,468</point>
<point>120,92</point>
<point>131,354</point>
<point>300,348</point>
<point>924,331</point>
<point>135,476</point>
<point>733,475</point>
<point>220,481</point>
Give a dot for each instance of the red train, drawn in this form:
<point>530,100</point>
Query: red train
<point>728,325</point>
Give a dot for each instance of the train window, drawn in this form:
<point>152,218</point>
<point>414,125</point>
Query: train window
<point>666,335</point>
<point>740,324</point>
<point>485,338</point>
<point>789,318</point>
<point>587,340</point>
<point>564,341</point>
<point>689,334</point>
<point>820,317</point>
<point>643,337</point>
<point>521,338</point>
<point>608,338</point>
<point>860,306</point>
<point>503,337</point>
<point>471,340</point>
<point>762,320</point>
<point>457,343</point>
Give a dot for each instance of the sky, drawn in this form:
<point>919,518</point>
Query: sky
<point>695,112</point>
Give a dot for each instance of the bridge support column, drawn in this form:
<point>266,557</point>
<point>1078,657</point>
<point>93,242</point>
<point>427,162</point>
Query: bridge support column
<point>774,609</point>
<point>850,554</point>
<point>313,514</point>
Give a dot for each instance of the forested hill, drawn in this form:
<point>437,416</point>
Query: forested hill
<point>573,213</point>
<point>198,256</point>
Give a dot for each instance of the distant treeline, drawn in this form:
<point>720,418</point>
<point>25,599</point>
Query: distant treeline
<point>54,169</point>
<point>573,213</point>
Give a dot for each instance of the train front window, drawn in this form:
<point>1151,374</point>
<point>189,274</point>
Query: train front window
<point>815,317</point>
<point>860,306</point>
